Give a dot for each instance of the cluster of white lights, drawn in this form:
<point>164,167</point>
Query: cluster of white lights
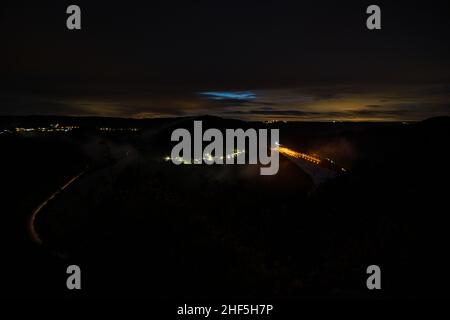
<point>206,157</point>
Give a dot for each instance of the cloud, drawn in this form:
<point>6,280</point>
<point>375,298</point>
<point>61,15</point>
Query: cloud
<point>275,112</point>
<point>229,95</point>
<point>333,102</point>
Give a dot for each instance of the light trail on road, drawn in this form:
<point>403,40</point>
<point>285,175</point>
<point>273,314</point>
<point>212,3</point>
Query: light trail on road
<point>32,220</point>
<point>291,153</point>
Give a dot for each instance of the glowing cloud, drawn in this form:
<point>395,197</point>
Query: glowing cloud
<point>229,95</point>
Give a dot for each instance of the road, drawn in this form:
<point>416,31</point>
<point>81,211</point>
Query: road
<point>32,220</point>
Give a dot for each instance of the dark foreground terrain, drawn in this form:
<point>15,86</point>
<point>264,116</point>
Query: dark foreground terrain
<point>141,227</point>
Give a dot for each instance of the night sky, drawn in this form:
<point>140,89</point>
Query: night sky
<point>296,60</point>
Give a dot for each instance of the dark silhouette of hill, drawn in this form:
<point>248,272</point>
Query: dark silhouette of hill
<point>201,231</point>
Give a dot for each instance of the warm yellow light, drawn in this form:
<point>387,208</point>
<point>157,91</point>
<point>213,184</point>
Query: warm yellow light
<point>298,155</point>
